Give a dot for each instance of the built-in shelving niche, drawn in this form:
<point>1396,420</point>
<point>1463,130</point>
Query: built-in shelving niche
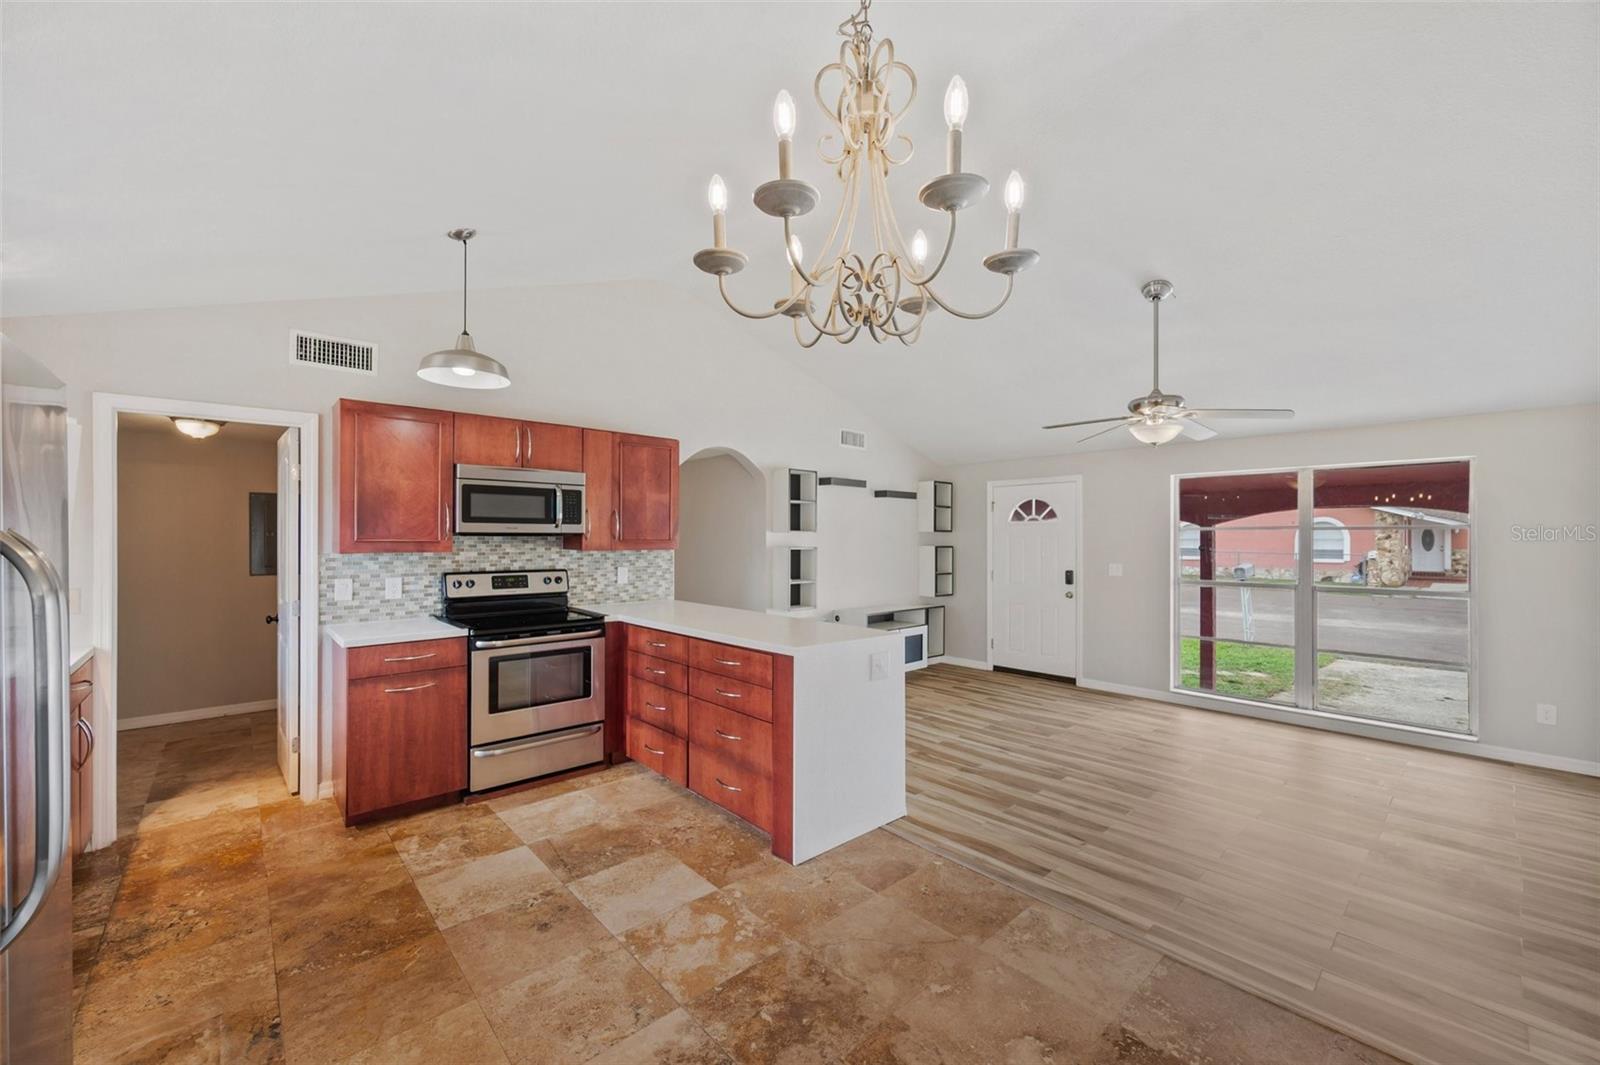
<point>936,506</point>
<point>802,500</point>
<point>794,583</point>
<point>936,571</point>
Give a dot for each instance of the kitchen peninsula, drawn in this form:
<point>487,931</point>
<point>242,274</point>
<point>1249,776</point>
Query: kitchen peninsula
<point>795,725</point>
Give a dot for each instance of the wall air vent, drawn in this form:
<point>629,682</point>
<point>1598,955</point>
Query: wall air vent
<point>853,438</point>
<point>334,352</point>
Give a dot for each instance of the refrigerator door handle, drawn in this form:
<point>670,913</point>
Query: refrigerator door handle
<point>50,702</point>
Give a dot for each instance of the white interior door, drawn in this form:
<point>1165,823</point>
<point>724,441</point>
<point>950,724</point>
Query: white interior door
<point>289,608</point>
<point>1033,538</point>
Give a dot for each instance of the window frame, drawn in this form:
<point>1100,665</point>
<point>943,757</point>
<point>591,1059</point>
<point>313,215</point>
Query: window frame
<point>1306,585</point>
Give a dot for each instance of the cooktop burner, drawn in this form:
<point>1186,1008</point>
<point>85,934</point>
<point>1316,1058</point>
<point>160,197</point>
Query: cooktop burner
<point>512,603</point>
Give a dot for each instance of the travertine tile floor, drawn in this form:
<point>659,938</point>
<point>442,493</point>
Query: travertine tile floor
<point>612,918</point>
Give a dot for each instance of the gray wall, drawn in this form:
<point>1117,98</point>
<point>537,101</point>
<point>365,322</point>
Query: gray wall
<point>722,541</point>
<point>1536,604</point>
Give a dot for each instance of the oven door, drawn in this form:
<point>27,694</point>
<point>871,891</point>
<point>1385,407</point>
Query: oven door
<point>537,684</point>
<point>506,507</point>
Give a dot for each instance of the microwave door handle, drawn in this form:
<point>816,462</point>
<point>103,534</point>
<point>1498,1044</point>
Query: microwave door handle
<point>50,729</point>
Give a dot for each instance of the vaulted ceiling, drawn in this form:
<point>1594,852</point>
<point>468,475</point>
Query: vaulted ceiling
<point>1371,212</point>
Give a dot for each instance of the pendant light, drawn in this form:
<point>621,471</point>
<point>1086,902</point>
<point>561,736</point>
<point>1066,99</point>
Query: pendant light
<point>463,366</point>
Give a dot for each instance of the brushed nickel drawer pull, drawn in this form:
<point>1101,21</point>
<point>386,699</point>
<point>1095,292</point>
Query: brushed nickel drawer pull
<point>725,735</point>
<point>659,709</point>
<point>653,643</point>
<point>726,662</point>
<point>413,658</point>
<point>729,787</point>
<point>657,672</point>
<point>729,695</point>
<point>413,688</point>
<point>649,748</point>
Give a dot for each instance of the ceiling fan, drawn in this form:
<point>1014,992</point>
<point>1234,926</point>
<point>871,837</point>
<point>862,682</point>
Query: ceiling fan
<point>1160,417</point>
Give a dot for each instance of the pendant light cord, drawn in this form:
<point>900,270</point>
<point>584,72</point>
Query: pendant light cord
<point>1155,354</point>
<point>464,288</point>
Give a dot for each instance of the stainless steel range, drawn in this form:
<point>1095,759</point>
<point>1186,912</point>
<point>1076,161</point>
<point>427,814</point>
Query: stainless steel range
<point>536,678</point>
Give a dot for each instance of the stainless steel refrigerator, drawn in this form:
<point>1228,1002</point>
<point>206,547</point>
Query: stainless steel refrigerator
<point>35,777</point>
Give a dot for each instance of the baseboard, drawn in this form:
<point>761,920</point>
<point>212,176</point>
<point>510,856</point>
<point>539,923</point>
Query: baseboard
<point>1413,737</point>
<point>199,713</point>
<point>325,790</point>
<point>964,663</point>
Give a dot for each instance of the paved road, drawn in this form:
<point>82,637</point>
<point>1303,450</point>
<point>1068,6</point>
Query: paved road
<point>1431,629</point>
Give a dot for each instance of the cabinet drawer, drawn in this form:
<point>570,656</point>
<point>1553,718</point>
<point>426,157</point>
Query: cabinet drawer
<point>406,739</point>
<point>659,644</point>
<point>665,753</point>
<point>658,671</point>
<point>385,659</point>
<point>734,694</point>
<point>734,787</point>
<point>753,667</point>
<point>659,707</point>
<point>732,736</point>
<point>80,685</point>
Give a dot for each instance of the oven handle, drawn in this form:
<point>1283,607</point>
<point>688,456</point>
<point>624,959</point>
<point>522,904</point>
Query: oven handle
<point>496,752</point>
<point>489,645</point>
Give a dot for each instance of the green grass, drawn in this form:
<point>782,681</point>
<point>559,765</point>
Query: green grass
<point>1244,670</point>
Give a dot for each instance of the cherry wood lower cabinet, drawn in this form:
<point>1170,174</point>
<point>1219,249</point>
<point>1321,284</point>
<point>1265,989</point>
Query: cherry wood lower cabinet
<point>399,725</point>
<point>723,735</point>
<point>80,741</point>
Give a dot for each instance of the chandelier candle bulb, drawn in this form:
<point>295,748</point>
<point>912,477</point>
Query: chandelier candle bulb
<point>955,115</point>
<point>1015,192</point>
<point>717,197</point>
<point>783,117</point>
<point>919,249</point>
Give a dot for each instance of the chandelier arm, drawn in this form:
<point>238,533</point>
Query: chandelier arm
<point>824,327</point>
<point>1011,280</point>
<point>887,206</point>
<point>803,342</point>
<point>722,287</point>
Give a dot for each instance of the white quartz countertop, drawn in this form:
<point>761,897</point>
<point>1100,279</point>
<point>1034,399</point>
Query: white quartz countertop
<point>397,630</point>
<point>77,657</point>
<point>746,628</point>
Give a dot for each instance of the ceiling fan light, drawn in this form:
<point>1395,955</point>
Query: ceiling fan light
<point>1155,433</point>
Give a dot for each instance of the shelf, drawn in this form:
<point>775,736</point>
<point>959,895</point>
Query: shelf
<point>936,506</point>
<point>794,578</point>
<point>794,500</point>
<point>936,570</point>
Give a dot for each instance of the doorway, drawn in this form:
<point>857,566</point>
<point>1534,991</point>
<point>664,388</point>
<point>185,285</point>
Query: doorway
<point>1035,576</point>
<point>722,540</point>
<point>207,532</point>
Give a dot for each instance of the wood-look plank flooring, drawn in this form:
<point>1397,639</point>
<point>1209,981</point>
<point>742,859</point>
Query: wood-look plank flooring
<point>1441,907</point>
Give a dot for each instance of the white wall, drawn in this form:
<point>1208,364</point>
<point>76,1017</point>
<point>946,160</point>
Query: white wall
<point>644,357</point>
<point>722,534</point>
<point>1536,605</point>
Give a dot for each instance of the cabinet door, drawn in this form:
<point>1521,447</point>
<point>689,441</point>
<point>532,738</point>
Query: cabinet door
<point>600,491</point>
<point>647,491</point>
<point>395,477</point>
<point>553,447</point>
<point>484,441</point>
<point>406,739</point>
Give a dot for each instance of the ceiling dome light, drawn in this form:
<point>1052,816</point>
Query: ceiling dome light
<point>1155,433</point>
<point>199,428</point>
<point>463,366</point>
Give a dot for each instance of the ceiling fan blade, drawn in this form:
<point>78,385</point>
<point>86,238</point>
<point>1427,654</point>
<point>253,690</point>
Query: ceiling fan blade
<point>1241,412</point>
<point>1109,429</point>
<point>1091,421</point>
<point>1197,430</point>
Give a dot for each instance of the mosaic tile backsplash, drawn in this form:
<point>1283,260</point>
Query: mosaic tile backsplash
<point>593,575</point>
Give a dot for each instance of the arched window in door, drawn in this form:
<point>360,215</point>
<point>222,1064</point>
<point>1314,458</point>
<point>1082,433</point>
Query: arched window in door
<point>1033,510</point>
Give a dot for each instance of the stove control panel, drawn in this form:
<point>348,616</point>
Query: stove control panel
<point>507,583</point>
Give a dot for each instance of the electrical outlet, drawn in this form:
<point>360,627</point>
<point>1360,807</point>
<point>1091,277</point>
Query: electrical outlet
<point>623,576</point>
<point>878,666</point>
<point>392,587</point>
<point>1544,713</point>
<point>344,589</point>
<point>1114,569</point>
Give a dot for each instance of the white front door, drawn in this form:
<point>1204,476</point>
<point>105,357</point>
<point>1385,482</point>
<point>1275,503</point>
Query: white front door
<point>1430,548</point>
<point>1033,538</point>
<point>289,608</point>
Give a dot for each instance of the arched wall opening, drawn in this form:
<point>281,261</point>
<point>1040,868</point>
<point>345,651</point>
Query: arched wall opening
<point>722,530</point>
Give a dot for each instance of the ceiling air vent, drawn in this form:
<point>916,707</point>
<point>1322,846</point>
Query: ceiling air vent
<point>853,438</point>
<point>334,352</point>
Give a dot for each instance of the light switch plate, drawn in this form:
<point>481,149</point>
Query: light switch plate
<point>392,587</point>
<point>1114,569</point>
<point>878,666</point>
<point>1544,713</point>
<point>623,576</point>
<point>343,589</point>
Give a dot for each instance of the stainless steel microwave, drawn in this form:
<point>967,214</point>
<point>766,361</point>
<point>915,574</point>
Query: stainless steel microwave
<point>510,501</point>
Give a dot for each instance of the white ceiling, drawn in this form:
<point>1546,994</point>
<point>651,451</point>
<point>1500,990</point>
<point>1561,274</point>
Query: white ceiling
<point>1371,212</point>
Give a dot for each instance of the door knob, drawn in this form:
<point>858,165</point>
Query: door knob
<point>272,619</point>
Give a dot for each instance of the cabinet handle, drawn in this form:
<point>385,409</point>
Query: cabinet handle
<point>727,736</point>
<point>447,529</point>
<point>649,748</point>
<point>653,643</point>
<point>616,525</point>
<point>727,695</point>
<point>657,672</point>
<point>83,686</point>
<point>88,737</point>
<point>516,460</point>
<point>726,662</point>
<point>413,688</point>
<point>653,706</point>
<point>722,784</point>
<point>413,658</point>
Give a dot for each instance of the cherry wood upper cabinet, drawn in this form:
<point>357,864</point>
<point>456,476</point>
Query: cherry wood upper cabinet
<point>395,479</point>
<point>600,492</point>
<point>647,492</point>
<point>485,441</point>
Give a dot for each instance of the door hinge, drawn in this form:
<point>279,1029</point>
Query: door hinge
<point>294,745</point>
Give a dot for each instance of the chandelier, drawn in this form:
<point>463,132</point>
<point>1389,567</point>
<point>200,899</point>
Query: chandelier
<point>887,289</point>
